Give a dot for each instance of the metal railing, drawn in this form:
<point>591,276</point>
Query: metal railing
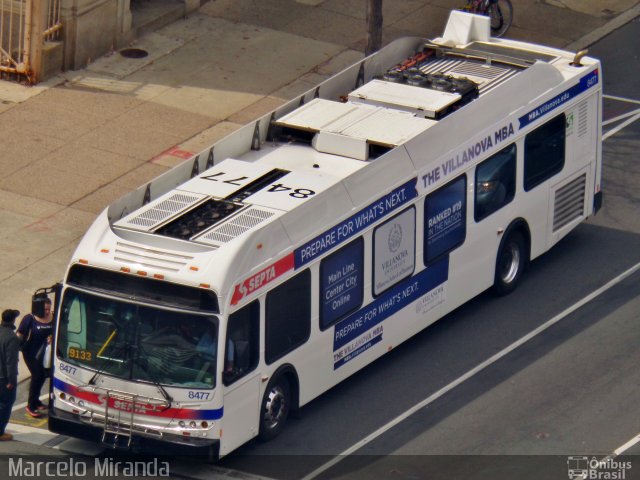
<point>24,27</point>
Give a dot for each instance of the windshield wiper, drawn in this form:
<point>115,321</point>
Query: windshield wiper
<point>136,359</point>
<point>105,360</point>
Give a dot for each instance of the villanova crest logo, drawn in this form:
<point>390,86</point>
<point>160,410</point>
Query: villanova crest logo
<point>395,237</point>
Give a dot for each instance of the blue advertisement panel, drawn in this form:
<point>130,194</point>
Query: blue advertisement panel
<point>364,328</point>
<point>585,83</point>
<point>445,217</point>
<point>341,282</point>
<point>356,223</point>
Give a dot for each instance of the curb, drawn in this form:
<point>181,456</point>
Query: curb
<point>601,32</point>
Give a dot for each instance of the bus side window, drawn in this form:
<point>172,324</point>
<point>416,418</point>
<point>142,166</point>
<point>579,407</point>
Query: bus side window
<point>544,150</point>
<point>288,316</point>
<point>394,250</point>
<point>341,283</point>
<point>242,348</point>
<point>76,329</point>
<point>445,219</point>
<point>495,182</point>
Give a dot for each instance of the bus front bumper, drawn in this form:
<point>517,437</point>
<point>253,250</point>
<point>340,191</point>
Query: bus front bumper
<point>70,424</point>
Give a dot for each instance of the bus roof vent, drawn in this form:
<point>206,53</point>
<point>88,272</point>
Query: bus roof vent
<point>157,212</point>
<point>236,226</point>
<point>199,219</point>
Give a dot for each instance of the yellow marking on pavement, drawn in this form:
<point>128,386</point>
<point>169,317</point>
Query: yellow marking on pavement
<point>31,422</point>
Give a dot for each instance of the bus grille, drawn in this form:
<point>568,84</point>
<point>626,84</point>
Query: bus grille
<point>569,202</point>
<point>150,257</point>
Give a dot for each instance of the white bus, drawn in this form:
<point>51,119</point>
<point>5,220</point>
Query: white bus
<point>202,308</point>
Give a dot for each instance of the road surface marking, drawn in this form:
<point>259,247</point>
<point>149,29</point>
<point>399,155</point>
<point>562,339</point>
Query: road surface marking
<point>620,450</point>
<point>615,130</point>
<point>621,99</point>
<point>620,117</point>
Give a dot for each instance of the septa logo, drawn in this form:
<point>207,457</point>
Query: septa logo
<point>261,278</point>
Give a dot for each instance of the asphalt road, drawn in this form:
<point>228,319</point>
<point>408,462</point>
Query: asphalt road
<point>571,391</point>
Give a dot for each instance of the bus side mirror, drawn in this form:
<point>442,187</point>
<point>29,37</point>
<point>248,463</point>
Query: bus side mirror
<point>40,298</point>
<point>38,301</point>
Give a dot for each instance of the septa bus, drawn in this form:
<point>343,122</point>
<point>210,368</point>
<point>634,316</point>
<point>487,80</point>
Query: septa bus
<point>201,309</point>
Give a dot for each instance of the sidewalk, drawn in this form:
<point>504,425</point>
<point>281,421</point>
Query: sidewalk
<point>79,141</point>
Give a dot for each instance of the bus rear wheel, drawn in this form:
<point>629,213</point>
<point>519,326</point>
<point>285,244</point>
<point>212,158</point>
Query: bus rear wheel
<point>274,411</point>
<point>511,263</point>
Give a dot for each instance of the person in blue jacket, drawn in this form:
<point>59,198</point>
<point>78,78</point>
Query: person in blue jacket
<point>35,331</point>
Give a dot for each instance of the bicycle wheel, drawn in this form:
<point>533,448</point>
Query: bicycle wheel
<point>501,14</point>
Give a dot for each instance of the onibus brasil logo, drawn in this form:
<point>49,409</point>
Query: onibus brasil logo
<point>584,467</point>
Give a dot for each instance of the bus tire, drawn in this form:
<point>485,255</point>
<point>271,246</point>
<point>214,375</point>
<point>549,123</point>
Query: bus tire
<point>511,262</point>
<point>275,408</point>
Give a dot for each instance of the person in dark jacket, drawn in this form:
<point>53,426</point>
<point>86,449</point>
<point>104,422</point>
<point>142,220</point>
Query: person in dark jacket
<point>35,332</point>
<point>9,351</point>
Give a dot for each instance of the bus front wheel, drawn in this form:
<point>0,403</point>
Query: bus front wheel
<point>274,411</point>
<point>511,263</point>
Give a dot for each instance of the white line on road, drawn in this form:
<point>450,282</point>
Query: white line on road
<point>622,99</point>
<point>477,369</point>
<point>615,130</point>
<point>620,450</point>
<point>620,117</point>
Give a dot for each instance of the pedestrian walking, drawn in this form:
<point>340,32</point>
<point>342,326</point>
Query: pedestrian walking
<point>35,332</point>
<point>9,351</point>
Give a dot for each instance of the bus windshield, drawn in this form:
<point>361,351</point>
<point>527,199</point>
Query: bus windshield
<point>137,342</point>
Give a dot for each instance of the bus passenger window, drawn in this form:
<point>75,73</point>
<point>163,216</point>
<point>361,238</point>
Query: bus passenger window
<point>544,150</point>
<point>445,219</point>
<point>341,283</point>
<point>495,182</point>
<point>288,316</point>
<point>394,250</point>
<point>242,349</point>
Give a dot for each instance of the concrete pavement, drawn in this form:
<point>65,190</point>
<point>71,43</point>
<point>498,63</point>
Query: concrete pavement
<point>74,144</point>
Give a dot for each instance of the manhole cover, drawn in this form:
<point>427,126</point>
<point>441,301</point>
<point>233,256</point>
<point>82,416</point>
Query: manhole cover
<point>133,53</point>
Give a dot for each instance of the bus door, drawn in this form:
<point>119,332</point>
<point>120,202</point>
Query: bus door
<point>240,377</point>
